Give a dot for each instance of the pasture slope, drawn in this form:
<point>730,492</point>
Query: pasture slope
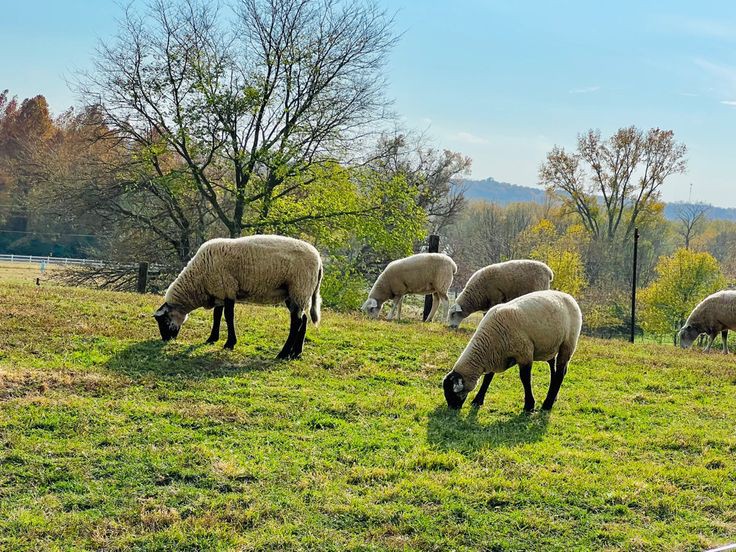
<point>111,440</point>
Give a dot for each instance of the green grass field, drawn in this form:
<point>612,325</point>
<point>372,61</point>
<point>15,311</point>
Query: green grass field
<point>110,439</point>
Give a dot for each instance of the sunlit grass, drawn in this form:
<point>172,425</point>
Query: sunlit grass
<point>110,439</point>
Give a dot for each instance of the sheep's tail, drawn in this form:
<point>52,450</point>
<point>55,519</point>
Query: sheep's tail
<point>314,310</point>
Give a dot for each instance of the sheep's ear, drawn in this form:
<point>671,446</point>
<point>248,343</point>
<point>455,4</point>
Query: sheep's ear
<point>455,308</point>
<point>458,385</point>
<point>163,309</point>
<point>370,304</point>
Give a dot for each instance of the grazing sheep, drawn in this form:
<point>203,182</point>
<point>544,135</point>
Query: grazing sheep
<point>716,313</point>
<point>498,283</point>
<point>422,273</point>
<point>543,325</point>
<point>255,269</point>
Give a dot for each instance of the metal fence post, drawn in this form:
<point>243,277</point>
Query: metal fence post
<point>434,247</point>
<point>633,286</point>
<point>142,277</point>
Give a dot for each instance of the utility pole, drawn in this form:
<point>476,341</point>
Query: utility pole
<point>633,286</point>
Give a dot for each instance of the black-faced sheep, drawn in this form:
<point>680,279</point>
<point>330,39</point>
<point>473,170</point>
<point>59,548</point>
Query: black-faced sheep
<point>716,313</point>
<point>543,325</point>
<point>256,269</point>
<point>423,273</point>
<point>498,283</point>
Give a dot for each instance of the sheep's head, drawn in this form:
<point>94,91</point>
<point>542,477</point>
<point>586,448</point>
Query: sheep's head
<point>170,319</point>
<point>688,334</point>
<point>371,307</point>
<point>455,315</point>
<point>455,390</point>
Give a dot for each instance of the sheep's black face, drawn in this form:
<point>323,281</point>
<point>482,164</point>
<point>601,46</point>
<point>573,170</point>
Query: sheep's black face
<point>371,308</point>
<point>169,321</point>
<point>455,391</point>
<point>687,335</point>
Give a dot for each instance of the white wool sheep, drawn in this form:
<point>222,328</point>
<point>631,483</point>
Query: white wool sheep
<point>543,325</point>
<point>423,273</point>
<point>716,313</point>
<point>256,269</point>
<point>498,283</point>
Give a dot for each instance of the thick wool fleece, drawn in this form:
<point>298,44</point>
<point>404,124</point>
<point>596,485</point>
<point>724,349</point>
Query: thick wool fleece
<point>715,313</point>
<point>256,269</point>
<point>536,326</point>
<point>423,273</point>
<point>502,282</point>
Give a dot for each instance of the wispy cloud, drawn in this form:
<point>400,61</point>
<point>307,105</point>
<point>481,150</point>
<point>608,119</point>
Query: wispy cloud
<point>688,94</point>
<point>585,90</point>
<point>732,103</point>
<point>469,138</point>
<point>700,26</point>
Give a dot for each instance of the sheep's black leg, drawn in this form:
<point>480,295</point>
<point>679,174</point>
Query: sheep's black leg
<point>296,350</point>
<point>724,338</point>
<point>215,333</point>
<point>293,330</point>
<point>230,321</point>
<point>481,395</point>
<point>525,373</point>
<point>555,380</point>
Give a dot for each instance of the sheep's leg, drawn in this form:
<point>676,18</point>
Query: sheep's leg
<point>230,321</point>
<point>444,299</point>
<point>296,350</point>
<point>435,306</point>
<point>398,313</point>
<point>557,371</point>
<point>724,338</point>
<point>392,312</point>
<point>711,338</point>
<point>295,322</point>
<point>481,395</point>
<point>525,373</point>
<point>216,318</point>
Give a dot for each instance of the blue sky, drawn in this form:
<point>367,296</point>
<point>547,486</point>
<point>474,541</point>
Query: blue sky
<point>501,81</point>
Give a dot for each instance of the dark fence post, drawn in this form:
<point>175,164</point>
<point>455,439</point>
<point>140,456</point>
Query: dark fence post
<point>142,277</point>
<point>434,247</point>
<point>633,286</point>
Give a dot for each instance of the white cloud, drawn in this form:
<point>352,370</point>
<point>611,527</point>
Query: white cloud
<point>732,103</point>
<point>469,138</point>
<point>585,90</point>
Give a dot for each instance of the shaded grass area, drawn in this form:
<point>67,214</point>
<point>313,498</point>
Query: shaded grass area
<point>111,439</point>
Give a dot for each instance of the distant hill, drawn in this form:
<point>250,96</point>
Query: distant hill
<point>504,193</point>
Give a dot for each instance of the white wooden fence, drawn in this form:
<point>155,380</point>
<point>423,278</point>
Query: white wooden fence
<point>12,258</point>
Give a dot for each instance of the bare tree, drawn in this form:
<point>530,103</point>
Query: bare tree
<point>249,102</point>
<point>691,217</point>
<point>611,184</point>
<point>434,174</point>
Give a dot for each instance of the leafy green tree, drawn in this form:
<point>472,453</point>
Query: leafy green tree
<point>683,280</point>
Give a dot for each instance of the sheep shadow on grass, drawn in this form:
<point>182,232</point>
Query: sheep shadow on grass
<point>461,430</point>
<point>174,360</point>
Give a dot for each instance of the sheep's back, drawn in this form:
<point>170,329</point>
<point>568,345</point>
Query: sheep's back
<point>420,273</point>
<point>718,309</point>
<point>545,319</point>
<point>260,269</point>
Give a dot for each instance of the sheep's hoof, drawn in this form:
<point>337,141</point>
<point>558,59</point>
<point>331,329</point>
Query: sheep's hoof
<point>229,345</point>
<point>282,356</point>
<point>212,340</point>
<point>546,406</point>
<point>476,403</point>
<point>529,407</point>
